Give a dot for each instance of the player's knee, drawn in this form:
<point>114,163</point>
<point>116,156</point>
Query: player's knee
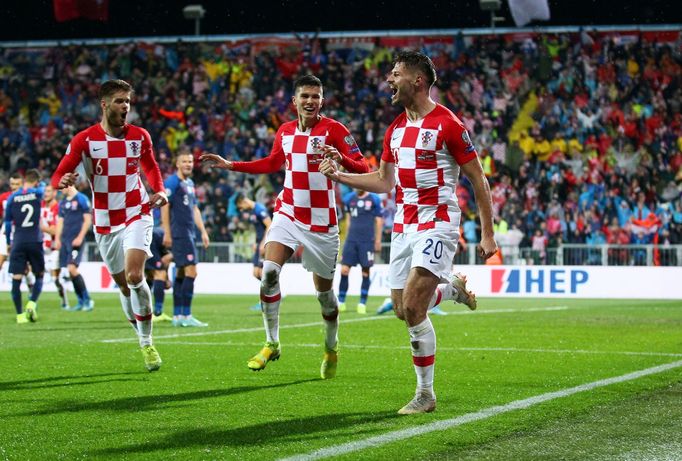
<point>73,271</point>
<point>345,270</point>
<point>270,276</point>
<point>134,277</point>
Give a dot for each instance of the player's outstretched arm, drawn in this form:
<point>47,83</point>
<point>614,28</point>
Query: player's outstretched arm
<point>267,165</point>
<point>380,181</point>
<point>474,171</point>
<point>215,161</point>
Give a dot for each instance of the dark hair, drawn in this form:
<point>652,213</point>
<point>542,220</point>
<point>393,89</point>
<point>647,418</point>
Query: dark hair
<point>32,175</point>
<point>240,196</point>
<point>111,87</point>
<point>16,175</point>
<point>307,80</point>
<point>418,61</point>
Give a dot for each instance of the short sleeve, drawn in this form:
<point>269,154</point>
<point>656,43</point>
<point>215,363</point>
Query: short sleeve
<point>458,141</point>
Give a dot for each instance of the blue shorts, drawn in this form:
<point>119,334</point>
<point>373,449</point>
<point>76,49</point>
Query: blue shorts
<point>69,254</point>
<point>158,252</point>
<point>184,252</point>
<point>361,253</point>
<point>27,252</point>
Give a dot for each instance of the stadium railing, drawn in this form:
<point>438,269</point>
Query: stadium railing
<point>566,255</point>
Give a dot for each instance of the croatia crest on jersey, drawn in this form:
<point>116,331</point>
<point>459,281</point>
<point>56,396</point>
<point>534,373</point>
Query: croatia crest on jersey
<point>427,136</point>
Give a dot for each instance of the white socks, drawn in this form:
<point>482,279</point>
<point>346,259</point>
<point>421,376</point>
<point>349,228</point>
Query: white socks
<point>270,298</point>
<point>330,313</point>
<point>423,343</point>
<point>141,300</point>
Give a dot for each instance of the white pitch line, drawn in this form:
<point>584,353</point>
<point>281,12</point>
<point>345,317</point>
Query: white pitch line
<point>440,349</point>
<point>316,324</point>
<point>389,437</point>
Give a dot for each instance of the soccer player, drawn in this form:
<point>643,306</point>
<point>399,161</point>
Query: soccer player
<point>261,220</point>
<point>180,219</point>
<point>305,213</point>
<point>424,149</point>
<point>49,212</point>
<point>15,183</point>
<point>156,273</point>
<point>112,153</point>
<point>23,210</point>
<point>73,223</point>
<point>364,222</point>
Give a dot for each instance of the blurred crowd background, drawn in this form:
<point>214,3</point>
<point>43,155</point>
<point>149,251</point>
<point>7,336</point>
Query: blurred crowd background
<point>580,134</point>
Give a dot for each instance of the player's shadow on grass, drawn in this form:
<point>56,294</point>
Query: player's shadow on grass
<point>260,435</point>
<point>149,402</point>
<point>67,381</point>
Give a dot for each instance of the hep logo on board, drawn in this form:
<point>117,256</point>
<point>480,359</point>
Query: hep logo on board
<point>525,281</point>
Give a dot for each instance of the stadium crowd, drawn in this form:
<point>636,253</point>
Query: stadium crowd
<point>579,134</point>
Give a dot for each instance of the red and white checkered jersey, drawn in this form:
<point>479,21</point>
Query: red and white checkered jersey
<point>3,203</point>
<point>427,154</point>
<point>112,166</point>
<point>48,217</point>
<point>308,196</point>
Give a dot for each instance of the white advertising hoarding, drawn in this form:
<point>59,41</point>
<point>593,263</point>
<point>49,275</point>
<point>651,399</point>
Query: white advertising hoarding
<point>525,281</point>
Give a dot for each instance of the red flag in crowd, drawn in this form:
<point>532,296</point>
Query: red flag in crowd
<point>95,10</point>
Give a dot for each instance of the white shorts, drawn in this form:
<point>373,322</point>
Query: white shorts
<point>432,249</point>
<point>137,235</point>
<point>3,244</point>
<point>51,259</point>
<point>320,249</point>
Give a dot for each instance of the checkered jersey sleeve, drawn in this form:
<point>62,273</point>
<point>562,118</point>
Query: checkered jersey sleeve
<point>72,158</point>
<point>457,140</point>
<point>148,162</point>
<point>387,155</point>
<point>353,161</point>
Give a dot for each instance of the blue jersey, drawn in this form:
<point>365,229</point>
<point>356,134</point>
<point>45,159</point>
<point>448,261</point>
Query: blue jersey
<point>258,215</point>
<point>23,208</point>
<point>181,200</point>
<point>363,213</point>
<point>72,211</point>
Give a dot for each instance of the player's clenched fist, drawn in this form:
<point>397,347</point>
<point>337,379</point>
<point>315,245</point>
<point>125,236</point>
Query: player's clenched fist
<point>329,168</point>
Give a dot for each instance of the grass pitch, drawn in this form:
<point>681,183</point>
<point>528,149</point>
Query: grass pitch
<point>73,385</point>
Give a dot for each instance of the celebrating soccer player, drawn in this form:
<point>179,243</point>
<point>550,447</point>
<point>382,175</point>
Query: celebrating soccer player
<point>112,153</point>
<point>305,213</point>
<point>424,149</point>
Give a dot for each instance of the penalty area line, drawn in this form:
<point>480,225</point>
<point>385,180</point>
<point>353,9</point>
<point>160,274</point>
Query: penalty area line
<point>389,437</point>
<point>317,324</point>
